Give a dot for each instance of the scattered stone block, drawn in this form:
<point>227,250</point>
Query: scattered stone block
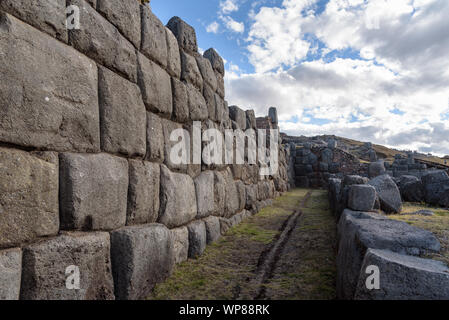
<point>197,238</point>
<point>93,191</point>
<point>10,274</point>
<point>361,197</point>
<point>142,256</point>
<point>376,169</point>
<point>389,195</point>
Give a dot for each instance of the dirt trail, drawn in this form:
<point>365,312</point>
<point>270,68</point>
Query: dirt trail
<point>262,258</point>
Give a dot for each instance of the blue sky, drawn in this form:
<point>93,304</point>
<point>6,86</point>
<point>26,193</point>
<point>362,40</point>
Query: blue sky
<point>372,70</point>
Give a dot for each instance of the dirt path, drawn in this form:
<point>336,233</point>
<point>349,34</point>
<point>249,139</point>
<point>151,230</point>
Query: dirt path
<point>284,252</point>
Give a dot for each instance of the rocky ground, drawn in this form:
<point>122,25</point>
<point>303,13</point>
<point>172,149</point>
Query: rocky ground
<point>284,252</point>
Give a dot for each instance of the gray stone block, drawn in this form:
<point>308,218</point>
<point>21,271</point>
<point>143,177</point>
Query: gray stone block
<point>211,103</point>
<point>222,110</point>
<point>404,277</point>
<point>142,256</point>
<point>28,197</point>
<point>219,193</point>
<point>154,37</point>
<point>204,186</point>
<point>251,119</point>
<point>207,72</point>
<point>93,191</point>
<point>122,115</point>
<point>173,56</point>
<point>197,105</point>
<point>197,238</point>
<point>213,232</point>
<point>389,195</point>
<point>190,71</point>
<point>155,139</point>
<point>239,116</point>
<point>180,101</point>
<point>47,117</point>
<point>184,33</point>
<point>231,195</point>
<point>125,15</point>
<point>10,274</point>
<point>45,268</point>
<point>173,157</point>
<point>215,60</point>
<point>178,199</point>
<point>361,197</point>
<point>155,84</point>
<point>143,192</point>
<point>46,15</point>
<point>101,41</point>
<point>241,189</point>
<point>181,244</point>
<point>376,169</point>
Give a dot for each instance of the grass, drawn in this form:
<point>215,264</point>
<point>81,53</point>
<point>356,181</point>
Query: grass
<point>437,224</point>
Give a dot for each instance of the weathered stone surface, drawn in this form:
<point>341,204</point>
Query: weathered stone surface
<point>45,274</point>
<point>181,244</point>
<point>98,39</point>
<point>155,139</point>
<point>10,274</point>
<point>122,115</point>
<point>372,155</point>
<point>125,15</point>
<point>197,238</point>
<point>209,98</point>
<point>142,256</point>
<point>173,56</point>
<point>332,144</point>
<point>215,60</point>
<point>222,111</point>
<point>413,191</point>
<point>334,194</point>
<point>238,115</point>
<point>184,33</point>
<point>389,195</point>
<point>93,191</point>
<point>241,189</point>
<point>250,119</point>
<point>204,186</point>
<point>436,188</point>
<point>232,196</point>
<point>225,225</point>
<point>213,232</point>
<point>197,105</point>
<point>251,197</point>
<point>404,278</point>
<point>349,180</point>
<point>327,156</point>
<point>361,197</point>
<point>219,193</point>
<point>422,213</point>
<point>155,85</point>
<point>154,37</point>
<point>175,137</point>
<point>180,101</point>
<point>207,72</point>
<point>143,192</point>
<point>376,169</point>
<point>359,231</point>
<point>49,116</point>
<point>190,71</point>
<point>46,15</point>
<point>28,197</point>
<point>178,199</point>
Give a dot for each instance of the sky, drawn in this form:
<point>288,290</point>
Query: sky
<point>371,70</point>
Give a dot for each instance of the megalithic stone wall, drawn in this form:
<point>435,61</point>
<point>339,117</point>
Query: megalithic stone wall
<point>91,207</point>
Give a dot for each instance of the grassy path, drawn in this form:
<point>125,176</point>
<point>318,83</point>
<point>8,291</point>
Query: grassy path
<point>304,268</point>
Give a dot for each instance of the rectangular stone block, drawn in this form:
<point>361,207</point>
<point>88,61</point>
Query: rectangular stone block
<point>213,232</point>
<point>178,199</point>
<point>184,33</point>
<point>46,15</point>
<point>98,39</point>
<point>204,186</point>
<point>181,244</point>
<point>220,85</point>
<point>48,103</point>
<point>142,256</point>
<point>51,268</point>
<point>143,192</point>
<point>125,15</point>
<point>215,60</point>
<point>197,238</point>
<point>197,105</point>
<point>180,101</point>
<point>173,56</point>
<point>93,191</point>
<point>155,85</point>
<point>154,38</point>
<point>122,115</point>
<point>176,154</point>
<point>28,197</point>
<point>190,71</point>
<point>207,72</point>
<point>10,274</point>
<point>155,138</point>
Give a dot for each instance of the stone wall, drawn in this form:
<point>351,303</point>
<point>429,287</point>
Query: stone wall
<point>87,185</point>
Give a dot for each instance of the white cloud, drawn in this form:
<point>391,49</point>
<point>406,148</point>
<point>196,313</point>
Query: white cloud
<point>228,6</point>
<point>213,27</point>
<point>231,24</point>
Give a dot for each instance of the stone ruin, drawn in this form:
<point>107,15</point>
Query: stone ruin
<point>87,181</point>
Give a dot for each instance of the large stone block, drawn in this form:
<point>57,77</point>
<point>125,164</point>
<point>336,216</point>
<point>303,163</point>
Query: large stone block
<point>10,274</point>
<point>204,186</point>
<point>190,71</point>
<point>28,197</point>
<point>213,232</point>
<point>219,193</point>
<point>376,169</point>
<point>197,105</point>
<point>359,231</point>
<point>46,116</point>
<point>98,39</point>
<point>184,33</point>
<point>209,97</point>
<point>241,189</point>
<point>215,60</point>
<point>231,196</point>
<point>46,15</point>
<point>389,195</point>
<point>154,38</point>
<point>173,56</point>
<point>125,15</point>
<point>251,119</point>
<point>238,115</point>
<point>143,192</point>
<point>436,188</point>
<point>155,84</point>
<point>181,244</point>
<point>180,101</point>
<point>207,72</point>
<point>122,115</point>
<point>178,199</point>
<point>220,85</point>
<point>142,256</point>
<point>404,277</point>
<point>176,153</point>
<point>155,138</point>
<point>197,238</point>
<point>93,191</point>
<point>361,197</point>
<point>48,265</point>
<point>222,110</point>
